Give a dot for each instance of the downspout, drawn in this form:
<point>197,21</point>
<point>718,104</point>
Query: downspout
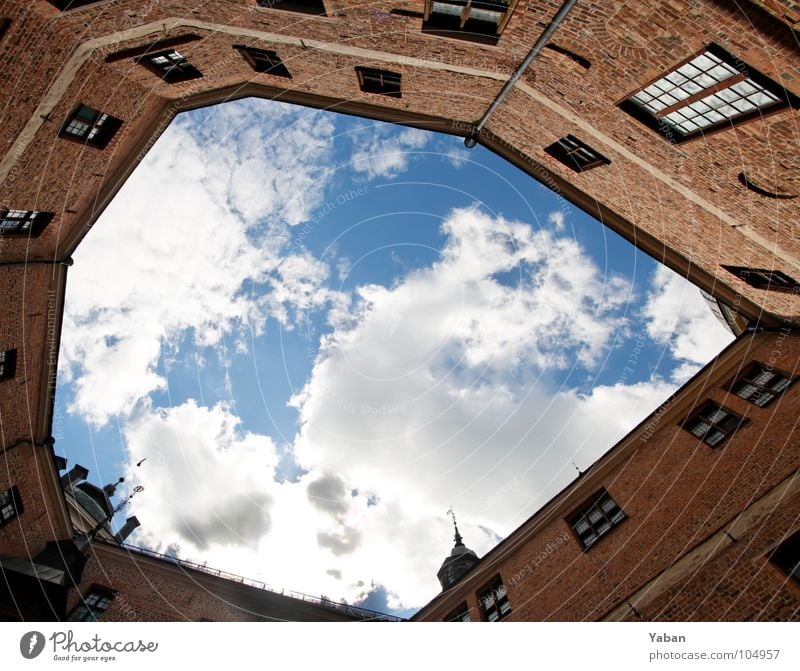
<point>471,140</point>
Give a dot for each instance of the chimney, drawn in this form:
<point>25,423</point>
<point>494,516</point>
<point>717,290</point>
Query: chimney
<point>77,474</point>
<point>130,524</point>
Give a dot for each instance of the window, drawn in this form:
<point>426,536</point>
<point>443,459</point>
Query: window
<point>787,556</point>
<point>70,4</point>
<point>713,423</point>
<point>89,126</point>
<point>494,601</point>
<point>759,384</point>
<point>170,65</point>
<point>23,222</point>
<point>474,20</point>
<point>10,505</point>
<point>4,24</point>
<point>262,60</point>
<point>575,154</point>
<point>760,278</point>
<point>460,614</point>
<point>711,89</point>
<point>303,6</point>
<point>584,62</point>
<point>93,606</point>
<point>596,518</point>
<point>8,364</point>
<point>379,81</point>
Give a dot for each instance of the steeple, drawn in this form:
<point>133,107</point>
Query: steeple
<point>459,562</point>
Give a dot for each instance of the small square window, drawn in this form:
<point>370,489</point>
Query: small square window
<point>596,518</point>
<point>262,60</point>
<point>787,556</point>
<point>170,65</point>
<point>575,154</point>
<point>10,505</point>
<point>460,614</point>
<point>712,423</point>
<point>93,605</point>
<point>760,384</point>
<point>8,364</point>
<point>23,222</point>
<point>494,602</point>
<point>476,21</point>
<point>760,278</point>
<point>711,89</point>
<point>4,24</point>
<point>379,81</point>
<point>89,126</point>
<point>315,7</point>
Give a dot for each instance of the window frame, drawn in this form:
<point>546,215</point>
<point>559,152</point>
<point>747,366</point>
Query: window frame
<point>699,414</point>
<point>8,364</point>
<point>787,284</point>
<point>104,125</point>
<point>252,55</point>
<point>459,614</point>
<point>582,513</point>
<point>786,99</point>
<point>299,6</point>
<point>789,569</point>
<point>492,587</point>
<point>14,499</point>
<point>567,148</point>
<point>366,81</point>
<point>440,27</point>
<point>179,71</point>
<point>37,220</point>
<point>101,599</point>
<point>747,378</point>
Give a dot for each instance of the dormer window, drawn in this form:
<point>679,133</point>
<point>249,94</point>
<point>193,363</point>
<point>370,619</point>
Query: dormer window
<point>474,20</point>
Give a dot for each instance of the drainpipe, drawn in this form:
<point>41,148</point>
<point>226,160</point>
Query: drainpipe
<point>472,139</point>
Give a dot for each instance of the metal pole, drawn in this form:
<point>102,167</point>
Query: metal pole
<point>471,141</point>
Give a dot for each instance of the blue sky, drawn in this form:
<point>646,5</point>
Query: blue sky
<point>322,331</point>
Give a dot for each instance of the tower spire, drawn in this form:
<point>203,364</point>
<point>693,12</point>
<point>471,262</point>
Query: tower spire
<point>457,538</point>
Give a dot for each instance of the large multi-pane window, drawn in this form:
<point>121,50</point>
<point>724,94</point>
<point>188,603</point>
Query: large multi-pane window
<point>760,384</point>
<point>709,90</point>
<point>596,518</point>
<point>93,605</point>
<point>494,602</point>
<point>713,423</point>
<point>474,20</point>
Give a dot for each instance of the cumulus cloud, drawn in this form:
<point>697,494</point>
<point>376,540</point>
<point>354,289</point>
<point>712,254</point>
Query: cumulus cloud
<point>678,317</point>
<point>207,482</point>
<point>223,218</point>
<point>382,152</point>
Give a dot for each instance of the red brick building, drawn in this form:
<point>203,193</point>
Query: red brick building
<point>675,123</point>
<point>694,515</point>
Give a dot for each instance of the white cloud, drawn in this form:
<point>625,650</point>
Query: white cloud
<point>221,222</point>
<point>384,152</point>
<point>679,318</point>
<point>557,219</point>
